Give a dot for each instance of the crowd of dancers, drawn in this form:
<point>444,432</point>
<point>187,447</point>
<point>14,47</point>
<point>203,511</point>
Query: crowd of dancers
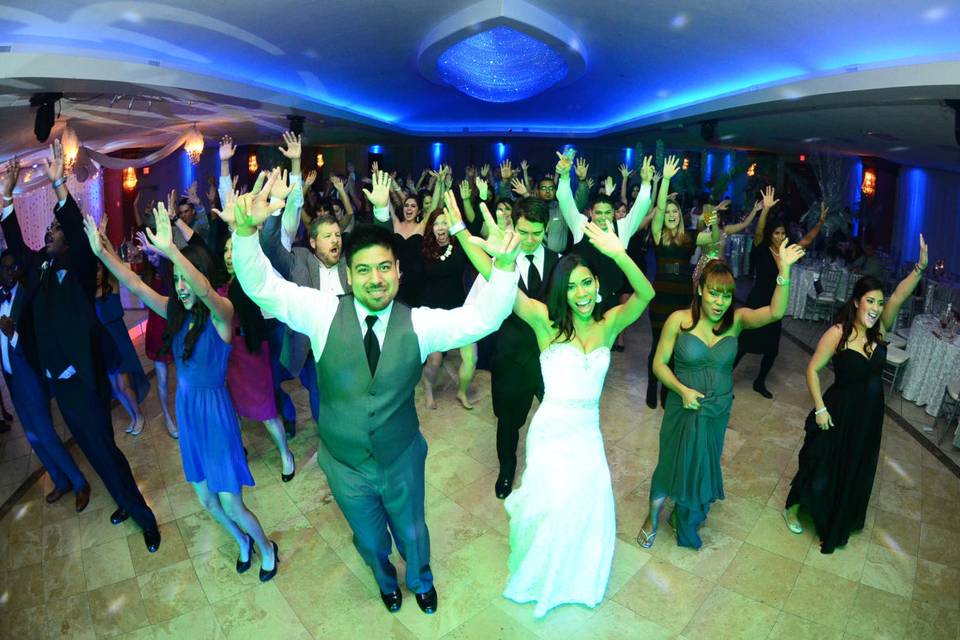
<point>360,289</point>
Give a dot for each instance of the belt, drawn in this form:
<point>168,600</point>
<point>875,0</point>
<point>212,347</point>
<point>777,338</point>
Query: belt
<point>672,268</point>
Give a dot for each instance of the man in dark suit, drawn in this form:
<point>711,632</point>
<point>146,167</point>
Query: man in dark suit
<point>64,338</point>
<point>515,372</point>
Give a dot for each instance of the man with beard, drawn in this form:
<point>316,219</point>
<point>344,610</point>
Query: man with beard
<point>59,327</point>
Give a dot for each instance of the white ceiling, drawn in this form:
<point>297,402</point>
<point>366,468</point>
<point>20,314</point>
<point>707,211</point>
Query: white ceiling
<point>774,73</point>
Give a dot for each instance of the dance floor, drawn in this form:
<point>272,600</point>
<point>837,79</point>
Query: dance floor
<point>64,575</point>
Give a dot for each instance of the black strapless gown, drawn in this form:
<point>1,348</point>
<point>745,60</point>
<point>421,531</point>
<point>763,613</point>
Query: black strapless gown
<point>837,466</point>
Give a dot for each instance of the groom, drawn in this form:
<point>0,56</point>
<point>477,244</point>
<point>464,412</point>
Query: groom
<point>369,355</point>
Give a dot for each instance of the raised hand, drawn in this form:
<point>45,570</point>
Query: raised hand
<point>768,200</point>
<point>162,238</point>
<point>922,260</point>
<point>54,165</point>
<point>465,192</point>
<point>723,206</point>
<point>485,171</point>
<point>483,189</point>
<point>144,244</point>
<point>227,148</point>
<point>294,148</point>
<point>451,210</point>
<point>171,210</point>
<point>11,176</point>
<point>625,171</point>
<point>581,168</point>
<point>506,170</point>
<point>93,235</point>
<point>590,182</point>
<point>519,188</point>
<point>502,246</point>
<point>670,167</point>
<point>255,207</point>
<point>756,207</point>
<point>102,225</point>
<point>605,240</point>
<point>228,214</point>
<point>646,169</point>
<point>379,196</point>
<point>281,186</point>
<point>335,181</point>
<point>565,161</point>
<point>608,186</point>
<point>524,166</point>
<point>374,168</point>
<point>309,180</point>
<point>191,194</point>
<point>790,255</point>
<point>211,189</point>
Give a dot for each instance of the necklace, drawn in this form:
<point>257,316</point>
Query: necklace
<point>446,254</point>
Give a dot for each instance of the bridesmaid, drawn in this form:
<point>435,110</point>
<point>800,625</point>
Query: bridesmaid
<point>702,343</point>
<point>838,460</point>
<point>199,330</point>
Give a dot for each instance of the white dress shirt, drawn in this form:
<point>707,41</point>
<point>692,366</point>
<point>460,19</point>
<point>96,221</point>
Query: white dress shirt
<point>310,312</point>
<point>576,221</point>
<point>330,279</point>
<point>11,343</point>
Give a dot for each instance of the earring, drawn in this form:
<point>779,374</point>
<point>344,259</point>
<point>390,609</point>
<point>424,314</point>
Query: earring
<point>599,297</point>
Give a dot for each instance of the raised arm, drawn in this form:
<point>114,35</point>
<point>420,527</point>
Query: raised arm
<point>808,239</point>
<point>291,212</point>
<point>767,203</point>
<point>11,226</point>
<point>279,256</point>
<point>731,229</point>
<point>638,216</point>
<point>670,167</point>
<point>574,220</point>
<point>624,180</point>
<point>123,273</point>
<point>905,289</point>
<point>821,358</point>
<point>753,318</point>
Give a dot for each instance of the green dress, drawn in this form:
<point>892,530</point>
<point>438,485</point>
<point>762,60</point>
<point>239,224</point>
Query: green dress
<point>691,442</point>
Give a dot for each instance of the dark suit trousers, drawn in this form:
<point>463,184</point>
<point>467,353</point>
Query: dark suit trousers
<point>87,414</point>
<point>513,386</point>
<point>379,500</point>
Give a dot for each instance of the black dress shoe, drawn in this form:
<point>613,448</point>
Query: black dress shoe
<point>651,395</point>
<point>504,487</point>
<point>761,388</point>
<point>290,426</point>
<point>287,477</point>
<point>83,498</point>
<point>151,538</point>
<point>428,601</point>
<point>392,601</point>
<point>56,494</point>
<point>266,576</point>
<point>119,516</point>
<point>243,567</point>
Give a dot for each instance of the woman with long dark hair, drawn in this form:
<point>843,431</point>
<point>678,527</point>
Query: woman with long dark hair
<point>838,460</point>
<point>409,226</point>
<point>562,524</point>
<point>763,258</point>
<point>198,333</point>
<point>694,361</point>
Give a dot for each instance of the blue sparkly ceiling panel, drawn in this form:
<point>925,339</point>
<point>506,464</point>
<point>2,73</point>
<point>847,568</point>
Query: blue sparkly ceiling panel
<point>501,65</point>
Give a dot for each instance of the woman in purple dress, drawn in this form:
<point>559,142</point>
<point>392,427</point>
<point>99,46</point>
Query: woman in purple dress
<point>199,332</point>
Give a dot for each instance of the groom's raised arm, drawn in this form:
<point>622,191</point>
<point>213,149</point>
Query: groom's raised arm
<point>304,309</point>
<point>442,329</point>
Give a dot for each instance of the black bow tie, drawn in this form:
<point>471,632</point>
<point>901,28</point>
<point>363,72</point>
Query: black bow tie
<point>5,296</point>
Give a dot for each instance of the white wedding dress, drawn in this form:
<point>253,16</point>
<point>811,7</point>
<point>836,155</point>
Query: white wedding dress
<point>562,523</point>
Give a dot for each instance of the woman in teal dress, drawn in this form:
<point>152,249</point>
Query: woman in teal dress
<point>701,342</point>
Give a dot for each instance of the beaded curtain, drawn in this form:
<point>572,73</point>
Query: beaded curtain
<point>34,209</point>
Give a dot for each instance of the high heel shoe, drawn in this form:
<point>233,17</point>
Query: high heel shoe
<point>266,576</point>
<point>138,426</point>
<point>287,477</point>
<point>243,567</point>
<point>648,538</point>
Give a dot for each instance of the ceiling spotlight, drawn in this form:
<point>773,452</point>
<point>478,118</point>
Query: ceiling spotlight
<point>296,124</point>
<point>45,103</point>
<point>679,21</point>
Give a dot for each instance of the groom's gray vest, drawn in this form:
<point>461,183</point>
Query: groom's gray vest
<point>362,416</point>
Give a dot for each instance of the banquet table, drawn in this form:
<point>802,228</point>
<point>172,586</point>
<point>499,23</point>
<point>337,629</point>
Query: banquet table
<point>802,277</point>
<point>934,361</point>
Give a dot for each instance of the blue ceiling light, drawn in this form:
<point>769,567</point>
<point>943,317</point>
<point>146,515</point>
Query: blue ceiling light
<point>501,65</point>
<point>502,52</point>
<point>375,148</point>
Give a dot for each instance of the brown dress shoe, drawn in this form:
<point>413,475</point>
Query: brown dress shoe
<point>83,497</point>
<point>56,494</point>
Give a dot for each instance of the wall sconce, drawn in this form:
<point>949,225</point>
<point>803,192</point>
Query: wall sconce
<point>319,160</point>
<point>129,178</point>
<point>752,170</point>
<point>194,145</point>
<point>252,165</point>
<point>71,146</point>
<point>869,186</point>
<point>686,164</point>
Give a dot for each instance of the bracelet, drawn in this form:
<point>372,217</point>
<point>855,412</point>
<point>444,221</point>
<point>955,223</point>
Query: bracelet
<point>8,198</point>
<point>918,268</point>
<point>59,181</point>
<point>820,412</point>
<point>457,228</point>
<point>782,282</point>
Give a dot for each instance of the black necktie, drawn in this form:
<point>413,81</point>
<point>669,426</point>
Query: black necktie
<point>371,345</point>
<point>533,277</point>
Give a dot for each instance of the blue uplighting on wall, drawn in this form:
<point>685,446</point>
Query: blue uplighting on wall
<point>375,148</point>
<point>727,167</point>
<point>437,154</point>
<point>501,65</point>
<point>915,207</point>
<point>187,171</point>
<point>708,168</point>
<point>501,150</point>
<point>856,181</point>
<point>628,157</point>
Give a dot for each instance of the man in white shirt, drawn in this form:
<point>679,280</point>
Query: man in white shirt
<point>369,354</point>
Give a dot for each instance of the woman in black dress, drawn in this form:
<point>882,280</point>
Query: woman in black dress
<point>769,235</point>
<point>444,270</point>
<point>408,228</point>
<point>673,282</point>
<point>838,460</point>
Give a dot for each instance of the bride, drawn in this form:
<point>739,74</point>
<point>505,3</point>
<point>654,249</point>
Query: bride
<point>562,525</point>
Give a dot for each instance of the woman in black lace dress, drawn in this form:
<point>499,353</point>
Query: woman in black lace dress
<point>838,460</point>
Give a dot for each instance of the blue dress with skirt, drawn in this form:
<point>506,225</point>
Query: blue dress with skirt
<point>210,443</point>
<point>110,311</point>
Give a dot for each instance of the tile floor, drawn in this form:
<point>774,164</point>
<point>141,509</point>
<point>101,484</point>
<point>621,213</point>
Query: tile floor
<point>64,575</point>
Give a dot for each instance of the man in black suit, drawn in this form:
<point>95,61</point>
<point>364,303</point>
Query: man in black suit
<point>515,373</point>
<point>69,346</point>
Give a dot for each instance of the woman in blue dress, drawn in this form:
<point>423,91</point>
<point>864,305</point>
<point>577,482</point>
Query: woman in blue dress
<point>199,331</point>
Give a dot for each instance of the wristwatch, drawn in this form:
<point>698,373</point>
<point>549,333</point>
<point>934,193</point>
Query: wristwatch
<point>781,281</point>
<point>457,228</point>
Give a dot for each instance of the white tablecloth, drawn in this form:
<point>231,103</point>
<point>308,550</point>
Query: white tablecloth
<point>802,277</point>
<point>933,363</point>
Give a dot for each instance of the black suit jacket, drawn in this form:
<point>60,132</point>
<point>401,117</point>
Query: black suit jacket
<point>516,341</point>
<point>58,322</point>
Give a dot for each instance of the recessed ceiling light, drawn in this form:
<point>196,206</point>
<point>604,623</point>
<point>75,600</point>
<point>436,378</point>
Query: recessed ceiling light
<point>679,21</point>
<point>663,93</point>
<point>132,16</point>
<point>813,139</point>
<point>935,14</point>
<point>728,136</point>
<point>898,149</point>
